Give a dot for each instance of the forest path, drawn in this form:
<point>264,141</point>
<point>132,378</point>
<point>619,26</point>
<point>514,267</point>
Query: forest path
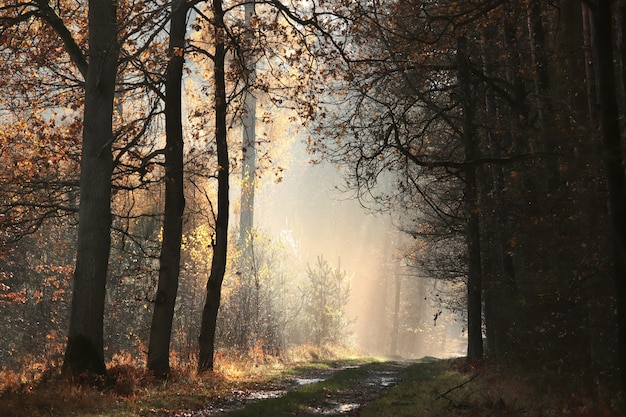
<point>348,402</point>
<point>371,383</point>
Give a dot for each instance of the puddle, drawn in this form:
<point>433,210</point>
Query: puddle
<point>319,376</point>
<point>265,395</point>
<point>308,381</point>
<point>344,408</point>
<point>385,379</point>
<point>335,409</point>
<point>388,381</point>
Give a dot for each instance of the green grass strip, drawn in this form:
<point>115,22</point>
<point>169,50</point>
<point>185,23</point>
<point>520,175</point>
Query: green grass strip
<point>418,394</point>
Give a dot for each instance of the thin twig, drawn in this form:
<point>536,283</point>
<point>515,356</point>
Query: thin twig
<point>461,385</point>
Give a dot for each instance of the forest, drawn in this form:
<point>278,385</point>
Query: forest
<point>144,146</point>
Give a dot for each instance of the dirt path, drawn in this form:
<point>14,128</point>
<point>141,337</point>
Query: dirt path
<point>348,402</point>
<point>344,403</point>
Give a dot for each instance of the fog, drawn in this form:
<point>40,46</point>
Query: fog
<point>307,210</point>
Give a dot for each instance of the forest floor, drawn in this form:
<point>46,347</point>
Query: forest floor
<point>425,388</point>
<point>355,387</point>
<point>317,392</point>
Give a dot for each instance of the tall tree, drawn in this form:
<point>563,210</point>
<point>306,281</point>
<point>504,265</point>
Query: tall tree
<point>472,211</point>
<point>85,350</point>
<point>165,300</point>
<point>498,269</point>
<point>220,242</point>
<point>248,120</point>
<point>610,132</point>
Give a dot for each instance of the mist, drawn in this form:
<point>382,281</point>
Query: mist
<point>308,211</point>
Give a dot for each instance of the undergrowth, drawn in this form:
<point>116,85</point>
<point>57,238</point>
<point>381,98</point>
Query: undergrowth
<point>38,390</point>
<point>458,388</point>
<point>430,388</point>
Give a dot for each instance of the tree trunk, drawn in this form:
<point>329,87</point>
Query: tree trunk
<point>85,351</point>
<point>543,89</point>
<point>499,272</point>
<point>161,328</point>
<point>584,217</point>
<point>220,245</point>
<point>613,161</point>
<point>514,73</point>
<point>540,60</point>
<point>248,183</point>
<point>621,36</point>
<point>248,323</point>
<point>474,279</point>
<point>395,330</point>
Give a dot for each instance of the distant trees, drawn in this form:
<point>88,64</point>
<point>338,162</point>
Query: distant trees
<point>35,291</point>
<point>263,303</point>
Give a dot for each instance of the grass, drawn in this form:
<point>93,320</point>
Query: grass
<point>37,391</point>
<point>451,388</point>
<point>428,388</point>
<point>418,393</point>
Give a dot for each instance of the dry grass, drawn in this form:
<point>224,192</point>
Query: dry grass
<point>38,390</point>
<point>429,389</point>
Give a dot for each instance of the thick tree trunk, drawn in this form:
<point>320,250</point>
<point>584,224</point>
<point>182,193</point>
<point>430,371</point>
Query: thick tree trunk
<point>609,116</point>
<point>161,328</point>
<point>85,350</point>
<point>474,278</point>
<point>220,245</point>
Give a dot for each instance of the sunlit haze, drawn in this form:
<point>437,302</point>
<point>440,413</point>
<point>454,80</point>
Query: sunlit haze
<point>308,210</point>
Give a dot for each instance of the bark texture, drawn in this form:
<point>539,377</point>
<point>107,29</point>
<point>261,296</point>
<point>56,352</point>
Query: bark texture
<point>85,351</point>
<point>161,328</point>
<point>220,245</point>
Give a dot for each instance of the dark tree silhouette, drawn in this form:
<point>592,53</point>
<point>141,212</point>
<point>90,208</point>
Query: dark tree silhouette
<point>220,243</point>
<point>165,300</point>
<point>85,350</point>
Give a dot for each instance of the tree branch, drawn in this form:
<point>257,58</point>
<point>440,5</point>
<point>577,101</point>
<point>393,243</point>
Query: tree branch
<point>54,20</point>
